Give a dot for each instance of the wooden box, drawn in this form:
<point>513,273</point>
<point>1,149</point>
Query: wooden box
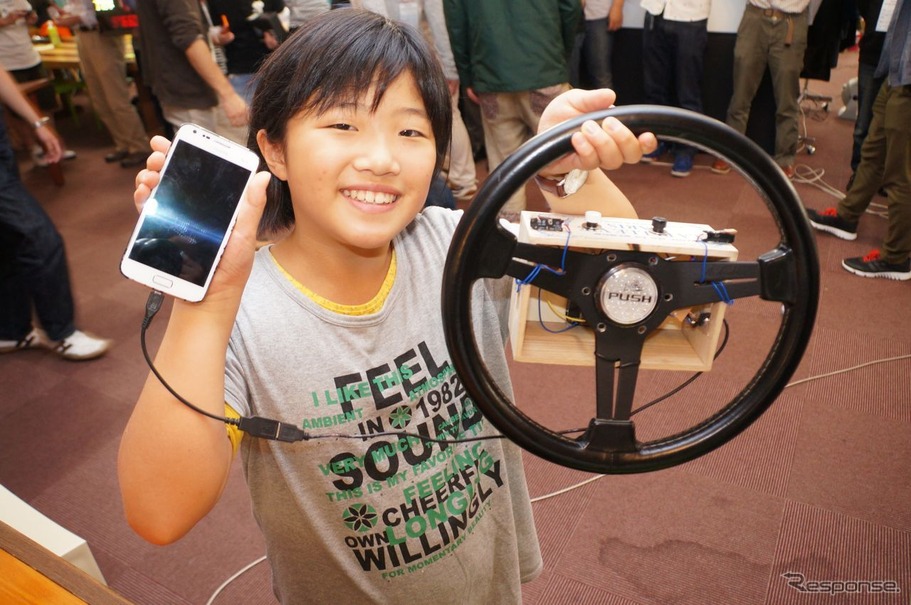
<point>677,344</point>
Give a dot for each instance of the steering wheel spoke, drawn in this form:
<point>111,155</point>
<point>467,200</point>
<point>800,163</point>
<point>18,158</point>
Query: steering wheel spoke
<point>617,359</point>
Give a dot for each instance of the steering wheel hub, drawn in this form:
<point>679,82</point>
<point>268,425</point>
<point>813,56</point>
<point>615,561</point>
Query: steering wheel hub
<point>627,295</point>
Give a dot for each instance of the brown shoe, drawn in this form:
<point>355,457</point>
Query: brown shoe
<point>115,156</point>
<point>721,167</point>
<point>134,159</point>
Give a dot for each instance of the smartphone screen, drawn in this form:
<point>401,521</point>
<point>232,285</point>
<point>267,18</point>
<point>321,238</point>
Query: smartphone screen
<point>185,222</point>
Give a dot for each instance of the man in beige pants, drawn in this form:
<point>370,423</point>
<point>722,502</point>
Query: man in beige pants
<point>101,57</point>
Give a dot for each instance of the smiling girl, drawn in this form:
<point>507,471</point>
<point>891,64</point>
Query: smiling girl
<point>336,328</point>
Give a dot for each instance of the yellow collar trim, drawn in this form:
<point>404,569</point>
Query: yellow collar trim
<point>371,306</point>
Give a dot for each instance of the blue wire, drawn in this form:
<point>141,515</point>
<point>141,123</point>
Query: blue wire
<point>718,286</point>
<point>572,324</point>
<point>537,268</point>
<point>562,271</point>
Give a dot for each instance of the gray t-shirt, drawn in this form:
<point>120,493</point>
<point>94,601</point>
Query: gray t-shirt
<point>387,519</point>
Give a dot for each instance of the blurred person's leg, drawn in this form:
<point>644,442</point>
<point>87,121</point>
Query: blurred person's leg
<point>870,172</point>
<point>463,178</point>
<point>104,70</point>
<point>688,42</point>
<point>750,61</point>
<point>867,88</point>
<point>897,174</point>
<point>33,268</point>
<point>596,51</point>
<point>785,65</point>
<point>509,120</point>
<point>504,131</point>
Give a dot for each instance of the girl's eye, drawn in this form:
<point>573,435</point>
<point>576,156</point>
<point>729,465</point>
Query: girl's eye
<point>342,126</point>
<point>410,132</point>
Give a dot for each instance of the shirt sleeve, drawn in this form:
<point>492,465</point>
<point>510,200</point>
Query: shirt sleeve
<point>182,20</point>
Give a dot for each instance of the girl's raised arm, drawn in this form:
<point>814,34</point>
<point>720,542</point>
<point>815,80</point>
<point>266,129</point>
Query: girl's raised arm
<point>173,462</point>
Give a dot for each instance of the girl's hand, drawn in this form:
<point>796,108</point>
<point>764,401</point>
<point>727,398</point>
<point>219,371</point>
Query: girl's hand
<point>607,145</point>
<point>237,260</point>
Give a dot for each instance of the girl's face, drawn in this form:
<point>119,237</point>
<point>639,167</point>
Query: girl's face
<point>358,177</point>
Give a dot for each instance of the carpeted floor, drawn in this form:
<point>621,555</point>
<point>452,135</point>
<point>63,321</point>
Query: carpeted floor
<point>816,491</point>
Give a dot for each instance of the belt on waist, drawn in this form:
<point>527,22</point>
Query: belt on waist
<point>776,15</point>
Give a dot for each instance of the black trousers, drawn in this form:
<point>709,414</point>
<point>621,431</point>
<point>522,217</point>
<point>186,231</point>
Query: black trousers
<point>33,270</point>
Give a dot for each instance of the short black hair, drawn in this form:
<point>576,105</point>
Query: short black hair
<point>331,59</point>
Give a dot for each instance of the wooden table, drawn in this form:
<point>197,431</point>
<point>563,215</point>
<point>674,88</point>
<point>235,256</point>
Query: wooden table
<point>66,56</point>
<point>31,574</point>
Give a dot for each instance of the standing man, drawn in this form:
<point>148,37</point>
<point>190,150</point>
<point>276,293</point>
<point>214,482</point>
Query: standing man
<point>885,161</point>
<point>101,59</point>
<point>178,63</point>
<point>673,48</point>
<point>773,34</point>
<point>513,59</point>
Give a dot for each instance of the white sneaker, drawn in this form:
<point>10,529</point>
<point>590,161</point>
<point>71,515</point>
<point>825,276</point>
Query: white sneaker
<point>79,346</point>
<point>30,341</point>
<point>38,156</point>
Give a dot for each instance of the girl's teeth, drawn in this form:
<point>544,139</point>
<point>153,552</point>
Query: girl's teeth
<point>370,197</point>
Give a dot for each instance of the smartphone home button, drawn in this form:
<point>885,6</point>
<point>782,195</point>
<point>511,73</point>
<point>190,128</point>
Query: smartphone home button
<point>162,281</point>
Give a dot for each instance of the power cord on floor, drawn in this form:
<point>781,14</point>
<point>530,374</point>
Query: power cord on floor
<point>807,175</point>
<point>239,573</point>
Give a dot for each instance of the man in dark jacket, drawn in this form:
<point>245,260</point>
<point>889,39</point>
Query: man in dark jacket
<point>177,62</point>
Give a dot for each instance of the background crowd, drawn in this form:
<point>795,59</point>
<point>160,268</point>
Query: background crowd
<point>504,61</point>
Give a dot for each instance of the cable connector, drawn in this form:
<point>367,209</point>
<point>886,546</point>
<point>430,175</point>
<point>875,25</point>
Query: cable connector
<point>266,428</point>
<point>153,305</point>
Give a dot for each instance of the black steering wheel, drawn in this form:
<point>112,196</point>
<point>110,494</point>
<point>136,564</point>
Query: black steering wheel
<point>788,273</point>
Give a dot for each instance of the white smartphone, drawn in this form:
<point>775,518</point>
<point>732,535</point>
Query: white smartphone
<point>185,224</point>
